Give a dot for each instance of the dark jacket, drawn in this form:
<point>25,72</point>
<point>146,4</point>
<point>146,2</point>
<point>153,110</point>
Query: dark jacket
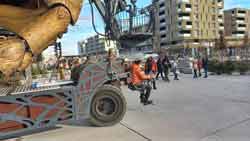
<point>166,63</point>
<point>205,63</point>
<point>159,65</point>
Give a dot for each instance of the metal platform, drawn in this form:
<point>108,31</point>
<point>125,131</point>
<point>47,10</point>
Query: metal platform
<point>28,89</point>
<point>25,89</point>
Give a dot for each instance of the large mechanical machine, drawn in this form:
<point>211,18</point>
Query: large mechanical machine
<point>30,26</point>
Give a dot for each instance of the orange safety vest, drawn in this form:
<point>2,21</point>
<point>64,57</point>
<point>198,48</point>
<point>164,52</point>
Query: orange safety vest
<point>137,75</point>
<point>154,66</point>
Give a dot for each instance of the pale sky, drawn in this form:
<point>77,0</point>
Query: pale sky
<point>84,29</point>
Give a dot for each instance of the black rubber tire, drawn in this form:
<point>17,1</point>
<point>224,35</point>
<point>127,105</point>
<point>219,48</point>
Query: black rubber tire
<point>116,98</point>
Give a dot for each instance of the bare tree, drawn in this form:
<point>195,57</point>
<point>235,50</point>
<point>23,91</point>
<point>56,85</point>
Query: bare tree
<point>245,46</point>
<point>220,45</point>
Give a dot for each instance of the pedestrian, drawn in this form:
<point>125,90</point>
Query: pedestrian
<point>205,66</point>
<point>137,78</point>
<point>76,69</point>
<point>61,69</point>
<point>200,66</point>
<point>195,68</point>
<point>175,66</point>
<point>151,68</point>
<point>126,70</point>
<point>159,69</point>
<point>166,68</point>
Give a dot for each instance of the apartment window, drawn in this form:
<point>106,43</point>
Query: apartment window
<point>242,11</point>
<point>163,36</point>
<point>162,5</point>
<point>162,21</point>
<point>184,14</point>
<point>163,44</point>
<point>241,25</point>
<point>239,32</point>
<point>179,5</point>
<point>185,31</point>
<point>174,42</point>
<point>189,23</point>
<point>188,6</point>
<point>240,18</point>
<point>213,2</point>
<point>162,28</point>
<point>162,13</point>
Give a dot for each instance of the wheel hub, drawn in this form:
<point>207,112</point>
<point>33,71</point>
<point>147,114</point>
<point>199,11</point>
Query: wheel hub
<point>106,106</point>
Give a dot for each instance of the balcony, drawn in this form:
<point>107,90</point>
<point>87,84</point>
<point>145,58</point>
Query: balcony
<point>241,15</point>
<point>189,26</point>
<point>240,21</point>
<point>163,31</point>
<point>238,35</point>
<point>220,4</point>
<point>185,27</point>
<point>163,24</point>
<point>184,18</point>
<point>184,34</point>
<point>162,8</point>
<point>187,10</point>
<point>184,1</point>
<point>220,20</point>
<point>221,12</point>
<point>241,28</point>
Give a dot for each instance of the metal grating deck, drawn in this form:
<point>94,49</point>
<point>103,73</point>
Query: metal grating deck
<point>25,89</point>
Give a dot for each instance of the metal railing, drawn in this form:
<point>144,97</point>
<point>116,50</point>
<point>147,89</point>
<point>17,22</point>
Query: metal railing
<point>133,24</point>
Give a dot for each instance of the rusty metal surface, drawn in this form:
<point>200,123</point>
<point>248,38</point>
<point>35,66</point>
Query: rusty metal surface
<point>33,109</point>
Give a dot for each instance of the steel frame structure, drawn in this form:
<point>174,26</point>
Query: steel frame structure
<point>24,109</point>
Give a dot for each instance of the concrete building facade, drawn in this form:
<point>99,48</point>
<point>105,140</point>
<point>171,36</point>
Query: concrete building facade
<point>81,47</point>
<point>237,22</point>
<point>189,23</point>
<point>98,45</point>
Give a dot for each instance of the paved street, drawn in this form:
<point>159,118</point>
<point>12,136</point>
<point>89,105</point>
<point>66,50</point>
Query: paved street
<point>213,109</point>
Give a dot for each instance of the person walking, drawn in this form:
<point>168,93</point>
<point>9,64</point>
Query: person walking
<point>166,68</point>
<point>75,71</point>
<point>200,66</point>
<point>159,69</point>
<point>175,66</point>
<point>195,68</point>
<point>151,68</point>
<point>61,69</point>
<point>205,66</point>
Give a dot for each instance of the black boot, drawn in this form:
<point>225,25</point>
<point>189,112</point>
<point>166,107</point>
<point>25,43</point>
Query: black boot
<point>148,102</point>
<point>154,85</point>
<point>142,98</point>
